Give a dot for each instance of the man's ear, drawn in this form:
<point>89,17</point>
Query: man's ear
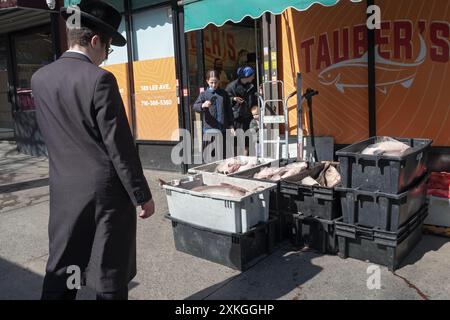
<point>94,41</point>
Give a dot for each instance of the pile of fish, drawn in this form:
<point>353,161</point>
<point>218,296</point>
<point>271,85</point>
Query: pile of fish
<point>277,174</point>
<point>386,146</point>
<point>224,190</point>
<point>329,177</point>
<point>235,165</point>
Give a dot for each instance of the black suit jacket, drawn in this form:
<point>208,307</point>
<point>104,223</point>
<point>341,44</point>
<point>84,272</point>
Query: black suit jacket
<point>83,121</point>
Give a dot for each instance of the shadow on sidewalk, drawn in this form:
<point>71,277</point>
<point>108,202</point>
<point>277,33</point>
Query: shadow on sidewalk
<point>18,283</point>
<point>427,244</point>
<point>279,274</point>
<point>25,185</point>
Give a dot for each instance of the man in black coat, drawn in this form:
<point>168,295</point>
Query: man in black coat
<point>96,177</point>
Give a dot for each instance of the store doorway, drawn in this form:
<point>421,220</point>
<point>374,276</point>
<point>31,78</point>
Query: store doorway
<point>225,49</point>
<point>31,50</point>
<point>6,119</point>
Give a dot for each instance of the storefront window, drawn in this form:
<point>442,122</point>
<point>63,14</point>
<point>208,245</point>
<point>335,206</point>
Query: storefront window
<point>32,51</point>
<point>6,121</point>
<point>118,4</point>
<point>155,81</point>
<point>154,34</point>
<point>117,64</point>
<point>229,47</point>
<point>225,49</point>
<point>138,4</point>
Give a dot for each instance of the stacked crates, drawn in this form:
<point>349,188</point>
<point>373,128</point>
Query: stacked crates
<point>383,200</point>
<point>235,231</point>
<point>278,204</point>
<point>306,214</point>
<point>312,212</point>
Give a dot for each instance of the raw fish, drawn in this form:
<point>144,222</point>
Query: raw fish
<point>387,147</point>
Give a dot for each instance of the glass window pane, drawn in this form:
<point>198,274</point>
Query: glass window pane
<point>137,4</point>
<point>120,54</point>
<point>118,4</point>
<point>32,51</point>
<point>153,33</point>
<point>154,75</point>
<point>6,120</point>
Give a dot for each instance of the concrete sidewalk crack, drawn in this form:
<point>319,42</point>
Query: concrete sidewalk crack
<point>411,285</point>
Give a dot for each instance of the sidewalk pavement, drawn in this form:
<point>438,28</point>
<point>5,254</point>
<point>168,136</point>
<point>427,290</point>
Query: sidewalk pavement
<point>164,273</point>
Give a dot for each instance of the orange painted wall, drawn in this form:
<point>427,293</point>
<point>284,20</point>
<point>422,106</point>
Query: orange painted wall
<point>326,44</point>
<point>310,34</point>
<point>423,108</point>
<point>120,71</point>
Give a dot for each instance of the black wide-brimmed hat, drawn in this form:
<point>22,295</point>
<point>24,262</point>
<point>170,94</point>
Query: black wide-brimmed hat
<point>100,16</point>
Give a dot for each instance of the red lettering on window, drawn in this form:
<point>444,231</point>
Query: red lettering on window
<point>231,47</point>
<point>206,43</point>
<point>215,42</point>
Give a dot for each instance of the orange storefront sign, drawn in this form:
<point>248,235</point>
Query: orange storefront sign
<point>156,103</point>
<point>329,46</point>
<point>156,99</point>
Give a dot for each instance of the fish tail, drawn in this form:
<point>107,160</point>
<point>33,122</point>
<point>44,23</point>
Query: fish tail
<point>162,182</point>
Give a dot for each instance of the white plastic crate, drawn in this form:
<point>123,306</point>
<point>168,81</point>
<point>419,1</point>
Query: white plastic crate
<point>229,214</point>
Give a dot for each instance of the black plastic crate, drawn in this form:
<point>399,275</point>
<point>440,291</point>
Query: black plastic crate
<point>383,173</point>
<point>380,210</point>
<point>235,250</point>
<point>380,247</point>
<point>315,233</point>
<point>315,201</point>
<point>284,225</point>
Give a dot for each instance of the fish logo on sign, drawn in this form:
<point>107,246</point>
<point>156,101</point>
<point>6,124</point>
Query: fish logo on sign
<point>403,73</point>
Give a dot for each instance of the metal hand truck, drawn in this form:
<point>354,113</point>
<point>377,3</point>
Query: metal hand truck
<point>268,121</point>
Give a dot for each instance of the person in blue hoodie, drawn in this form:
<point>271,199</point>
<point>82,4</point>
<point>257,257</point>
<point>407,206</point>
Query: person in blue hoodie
<point>242,95</point>
<point>214,105</point>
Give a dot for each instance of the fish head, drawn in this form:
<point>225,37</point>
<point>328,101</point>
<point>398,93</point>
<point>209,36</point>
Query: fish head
<point>329,76</point>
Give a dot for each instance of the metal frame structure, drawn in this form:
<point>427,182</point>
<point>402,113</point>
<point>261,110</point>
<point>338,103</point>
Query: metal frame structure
<point>274,118</point>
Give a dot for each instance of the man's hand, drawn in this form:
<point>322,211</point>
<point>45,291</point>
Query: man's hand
<point>239,100</point>
<point>206,104</point>
<point>148,209</point>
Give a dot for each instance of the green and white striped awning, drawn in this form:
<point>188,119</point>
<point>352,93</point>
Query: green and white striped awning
<point>199,13</point>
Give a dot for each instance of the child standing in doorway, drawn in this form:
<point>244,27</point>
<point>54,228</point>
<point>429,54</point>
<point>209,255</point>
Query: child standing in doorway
<point>254,126</point>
